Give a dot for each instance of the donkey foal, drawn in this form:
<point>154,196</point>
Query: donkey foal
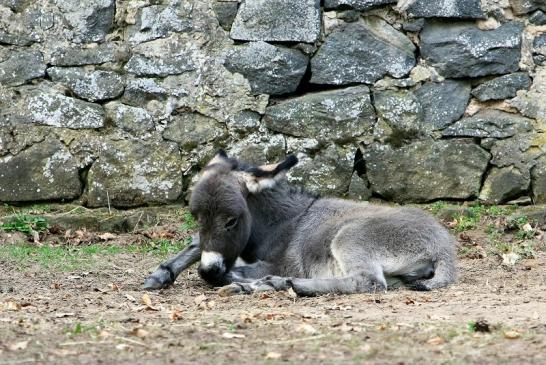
<point>291,239</point>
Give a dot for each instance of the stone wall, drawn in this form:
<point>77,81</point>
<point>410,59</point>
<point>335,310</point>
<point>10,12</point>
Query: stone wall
<point>121,102</point>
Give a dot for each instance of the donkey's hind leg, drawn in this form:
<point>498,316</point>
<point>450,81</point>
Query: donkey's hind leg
<point>361,282</point>
<point>168,271</point>
<point>445,272</point>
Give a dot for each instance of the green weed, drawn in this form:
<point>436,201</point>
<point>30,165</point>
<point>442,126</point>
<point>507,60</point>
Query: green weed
<point>73,258</point>
<point>26,224</point>
<point>189,223</point>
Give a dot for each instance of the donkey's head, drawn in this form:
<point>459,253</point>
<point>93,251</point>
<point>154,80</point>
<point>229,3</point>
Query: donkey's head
<point>219,202</point>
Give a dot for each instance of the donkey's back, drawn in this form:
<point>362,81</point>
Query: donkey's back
<point>389,245</point>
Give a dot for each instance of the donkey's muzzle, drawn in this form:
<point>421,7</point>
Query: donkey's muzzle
<point>213,274</point>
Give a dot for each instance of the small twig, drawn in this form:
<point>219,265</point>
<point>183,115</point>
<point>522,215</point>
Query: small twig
<point>78,343</point>
<point>312,338</point>
<point>139,218</point>
<point>108,199</point>
<point>132,341</point>
<point>72,210</point>
<point>22,361</point>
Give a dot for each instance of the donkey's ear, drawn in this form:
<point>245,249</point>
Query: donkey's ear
<point>264,177</point>
<point>220,157</point>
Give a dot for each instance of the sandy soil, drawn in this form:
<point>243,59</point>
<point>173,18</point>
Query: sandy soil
<point>101,316</point>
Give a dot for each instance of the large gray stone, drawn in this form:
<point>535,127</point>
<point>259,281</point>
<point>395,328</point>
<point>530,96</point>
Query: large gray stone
<point>44,171</point>
<point>521,150</point>
<point>16,39</point>
<point>463,50</point>
<point>20,67</point>
<point>356,4</point>
<point>443,102</point>
<point>193,129</point>
<point>446,9</point>
<point>269,69</point>
<point>90,20</point>
<point>538,181</point>
<point>47,107</point>
<point>427,170</point>
<point>226,11</point>
<point>130,173</point>
<point>502,87</point>
<point>92,85</point>
<point>158,21</point>
<point>140,91</point>
<point>259,148</point>
<point>327,173</point>
<point>359,188</point>
<point>5,140</point>
<point>338,115</point>
<point>402,112</point>
<point>362,52</point>
<point>80,56</point>
<point>129,118</point>
<point>489,123</point>
<point>538,18</point>
<point>521,7</point>
<point>162,57</point>
<point>504,184</point>
<point>539,49</point>
<point>531,102</point>
<point>277,21</point>
<point>15,5</point>
<point>244,121</point>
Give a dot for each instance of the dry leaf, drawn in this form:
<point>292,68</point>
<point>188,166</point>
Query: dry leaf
<point>512,335</point>
<point>139,332</point>
<point>130,297</point>
<point>12,306</point>
<point>114,287</point>
<point>273,355</point>
<point>107,236</point>
<point>62,315</point>
<point>104,334</point>
<point>199,299</point>
<point>18,346</point>
<point>147,301</point>
<point>175,315</point>
<point>436,341</point>
<point>232,335</point>
<point>306,328</point>
<point>510,258</point>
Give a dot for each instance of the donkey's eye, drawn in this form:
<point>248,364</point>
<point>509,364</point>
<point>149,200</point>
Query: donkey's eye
<point>231,223</point>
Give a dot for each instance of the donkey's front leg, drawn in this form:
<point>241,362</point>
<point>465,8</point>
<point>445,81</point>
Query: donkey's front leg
<point>168,271</point>
<point>250,278</point>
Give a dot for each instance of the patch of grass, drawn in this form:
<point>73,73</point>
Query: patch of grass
<point>189,224</point>
<point>79,328</point>
<point>26,224</point>
<point>73,258</point>
<point>465,223</point>
<point>437,206</point>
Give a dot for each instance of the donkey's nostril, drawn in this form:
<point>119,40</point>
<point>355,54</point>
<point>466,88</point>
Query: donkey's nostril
<point>212,274</point>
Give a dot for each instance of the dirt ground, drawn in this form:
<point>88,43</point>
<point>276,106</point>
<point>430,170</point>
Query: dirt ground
<point>495,314</point>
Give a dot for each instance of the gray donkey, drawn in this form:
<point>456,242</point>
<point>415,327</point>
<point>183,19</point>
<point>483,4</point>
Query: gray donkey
<point>288,238</point>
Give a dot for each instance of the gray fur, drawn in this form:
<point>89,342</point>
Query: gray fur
<point>292,239</point>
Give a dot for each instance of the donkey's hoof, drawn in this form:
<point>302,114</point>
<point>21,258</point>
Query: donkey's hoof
<point>231,289</point>
<point>159,279</point>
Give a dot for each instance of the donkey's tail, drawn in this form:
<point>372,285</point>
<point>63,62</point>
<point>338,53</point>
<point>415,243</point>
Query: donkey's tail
<point>445,273</point>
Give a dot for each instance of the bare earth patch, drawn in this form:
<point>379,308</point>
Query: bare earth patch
<point>495,314</point>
